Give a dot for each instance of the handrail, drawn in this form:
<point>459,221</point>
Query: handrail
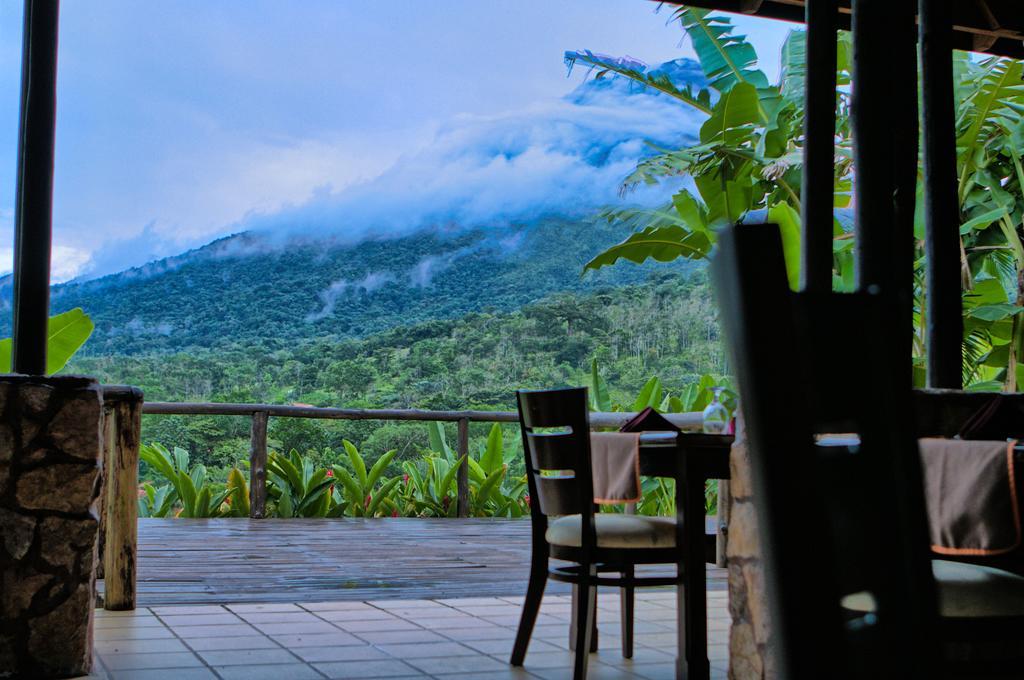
<point>597,418</point>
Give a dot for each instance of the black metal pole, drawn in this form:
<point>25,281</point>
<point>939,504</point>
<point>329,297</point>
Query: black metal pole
<point>33,207</point>
<point>819,145</point>
<point>944,320</point>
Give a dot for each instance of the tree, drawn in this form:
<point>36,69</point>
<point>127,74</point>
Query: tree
<point>749,157</point>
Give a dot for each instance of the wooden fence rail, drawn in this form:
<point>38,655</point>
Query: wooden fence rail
<point>125,406</point>
<point>261,413</point>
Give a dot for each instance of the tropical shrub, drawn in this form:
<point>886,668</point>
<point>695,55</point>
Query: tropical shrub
<point>190,489</point>
<point>364,492</point>
<point>66,333</point>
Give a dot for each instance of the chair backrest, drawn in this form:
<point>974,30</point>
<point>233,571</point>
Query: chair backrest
<point>834,520</point>
<point>555,425</point>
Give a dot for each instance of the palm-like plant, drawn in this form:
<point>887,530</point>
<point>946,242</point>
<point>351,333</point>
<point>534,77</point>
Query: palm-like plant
<point>197,496</point>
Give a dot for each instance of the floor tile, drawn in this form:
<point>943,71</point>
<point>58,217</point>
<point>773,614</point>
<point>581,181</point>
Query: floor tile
<point>349,653</point>
<point>424,650</point>
<point>295,628</point>
<point>247,657</point>
<point>227,643</point>
<point>144,633</point>
<point>296,671</point>
<point>236,630</point>
<point>376,624</point>
<point>121,662</point>
<point>368,614</point>
<point>224,619</point>
<point>335,639</point>
<point>400,637</point>
<point>140,646</point>
<point>458,664</point>
<point>479,633</point>
<point>366,669</point>
<point>266,607</point>
<point>278,617</point>
<point>188,610</point>
<point>166,674</point>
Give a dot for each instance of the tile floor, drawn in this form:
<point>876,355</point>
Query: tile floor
<point>397,639</point>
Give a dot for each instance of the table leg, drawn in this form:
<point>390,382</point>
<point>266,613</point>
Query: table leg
<point>692,660</point>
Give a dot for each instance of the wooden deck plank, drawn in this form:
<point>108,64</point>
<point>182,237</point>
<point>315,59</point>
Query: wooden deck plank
<point>188,561</point>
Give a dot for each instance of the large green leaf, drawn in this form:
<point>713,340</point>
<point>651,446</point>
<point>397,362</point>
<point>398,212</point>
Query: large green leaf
<point>733,119</point>
<point>493,454</point>
<point>66,333</point>
<point>788,220</point>
<point>726,59</point>
<point>663,244</point>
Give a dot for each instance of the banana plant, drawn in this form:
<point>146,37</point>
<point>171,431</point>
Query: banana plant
<point>190,488</point>
<point>364,492</point>
<point>66,333</point>
<point>297,488</point>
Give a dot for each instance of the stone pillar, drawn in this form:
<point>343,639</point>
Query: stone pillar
<point>50,444</point>
<point>748,606</point>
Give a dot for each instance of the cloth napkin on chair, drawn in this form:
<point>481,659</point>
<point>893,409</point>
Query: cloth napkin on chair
<point>615,459</point>
<point>971,494</point>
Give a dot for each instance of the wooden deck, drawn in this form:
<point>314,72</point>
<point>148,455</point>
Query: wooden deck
<point>212,561</point>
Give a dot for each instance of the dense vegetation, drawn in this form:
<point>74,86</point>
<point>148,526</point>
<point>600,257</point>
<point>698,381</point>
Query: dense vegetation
<point>666,327</point>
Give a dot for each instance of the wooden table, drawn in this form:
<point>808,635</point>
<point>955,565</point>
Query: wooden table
<point>691,459</point>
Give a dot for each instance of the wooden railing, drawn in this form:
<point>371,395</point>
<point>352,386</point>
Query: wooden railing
<point>124,407</point>
<point>261,414</point>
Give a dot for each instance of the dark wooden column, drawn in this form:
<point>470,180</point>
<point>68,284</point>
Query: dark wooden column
<point>884,122</point>
<point>34,195</point>
<point>819,145</point>
<point>943,315</point>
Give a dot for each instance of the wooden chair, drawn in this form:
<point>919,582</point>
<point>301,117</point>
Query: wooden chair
<point>852,590</point>
<point>556,444</point>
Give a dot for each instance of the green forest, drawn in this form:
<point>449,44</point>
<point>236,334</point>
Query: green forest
<point>665,326</point>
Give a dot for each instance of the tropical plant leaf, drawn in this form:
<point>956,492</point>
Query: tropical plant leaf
<point>603,64</point>
<point>661,244</point>
<point>66,333</point>
<point>493,455</point>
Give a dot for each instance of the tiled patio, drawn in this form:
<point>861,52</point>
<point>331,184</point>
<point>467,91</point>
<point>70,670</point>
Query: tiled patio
<point>446,638</point>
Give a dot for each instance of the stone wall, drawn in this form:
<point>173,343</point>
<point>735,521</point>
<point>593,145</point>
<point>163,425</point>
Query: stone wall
<point>749,635</point>
<point>50,444</point>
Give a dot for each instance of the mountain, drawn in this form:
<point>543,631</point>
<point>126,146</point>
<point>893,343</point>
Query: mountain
<point>493,214</point>
<point>248,286</point>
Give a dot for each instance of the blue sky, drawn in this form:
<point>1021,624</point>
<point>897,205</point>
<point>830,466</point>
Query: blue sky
<point>183,120</point>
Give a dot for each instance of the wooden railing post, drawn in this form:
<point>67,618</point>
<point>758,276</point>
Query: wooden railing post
<point>722,530</point>
<point>462,479</point>
<point>258,465</point>
<point>120,508</point>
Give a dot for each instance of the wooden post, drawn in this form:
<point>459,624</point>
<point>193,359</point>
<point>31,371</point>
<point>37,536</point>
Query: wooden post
<point>819,142</point>
<point>121,503</point>
<point>258,466</point>
<point>944,320</point>
<point>33,202</point>
<point>462,479</point>
<point>106,456</point>
<point>884,124</point>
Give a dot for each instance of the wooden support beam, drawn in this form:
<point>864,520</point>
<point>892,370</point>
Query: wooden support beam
<point>33,203</point>
<point>944,310</point>
<point>258,465</point>
<point>462,478</point>
<point>884,124</point>
<point>819,145</point>
<point>120,508</point>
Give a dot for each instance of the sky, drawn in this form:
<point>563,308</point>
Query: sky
<point>180,121</point>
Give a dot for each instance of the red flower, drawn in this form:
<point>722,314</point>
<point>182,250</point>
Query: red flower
<point>394,513</point>
<point>405,478</point>
<point>330,473</point>
<point>142,492</point>
<point>367,504</point>
<point>527,499</point>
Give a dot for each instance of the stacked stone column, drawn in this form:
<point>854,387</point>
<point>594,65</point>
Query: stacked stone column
<point>50,447</point>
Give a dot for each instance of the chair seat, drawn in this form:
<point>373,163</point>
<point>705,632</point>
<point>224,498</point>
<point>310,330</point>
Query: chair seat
<point>615,531</point>
<point>965,591</point>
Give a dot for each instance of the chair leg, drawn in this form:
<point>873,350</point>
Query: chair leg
<point>627,597</point>
<point>572,626</point>
<point>584,618</point>
<point>531,606</point>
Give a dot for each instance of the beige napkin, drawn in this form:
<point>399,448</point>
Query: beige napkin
<point>615,459</point>
<point>971,495</point>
